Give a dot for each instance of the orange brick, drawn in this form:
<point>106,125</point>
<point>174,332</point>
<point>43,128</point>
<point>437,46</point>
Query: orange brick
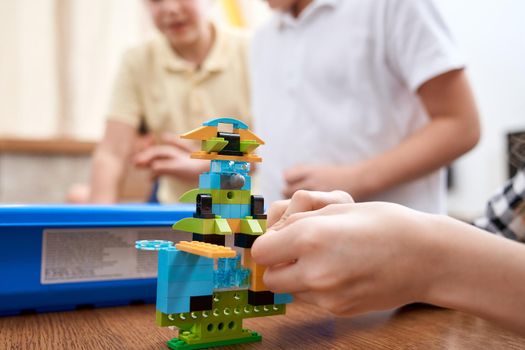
<point>206,249</point>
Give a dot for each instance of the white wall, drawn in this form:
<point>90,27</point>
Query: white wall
<point>28,69</point>
<point>491,34</point>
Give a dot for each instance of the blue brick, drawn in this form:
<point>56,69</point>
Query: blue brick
<point>179,289</point>
<point>245,210</point>
<point>210,181</point>
<point>228,211</point>
<point>173,305</point>
<point>183,273</point>
<point>172,256</point>
<point>247,183</point>
<point>282,298</point>
<point>237,124</point>
<point>223,210</point>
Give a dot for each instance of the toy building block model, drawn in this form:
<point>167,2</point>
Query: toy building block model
<point>204,288</point>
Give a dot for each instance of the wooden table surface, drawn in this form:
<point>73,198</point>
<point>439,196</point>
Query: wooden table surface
<point>304,327</point>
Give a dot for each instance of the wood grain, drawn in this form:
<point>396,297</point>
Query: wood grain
<point>304,327</point>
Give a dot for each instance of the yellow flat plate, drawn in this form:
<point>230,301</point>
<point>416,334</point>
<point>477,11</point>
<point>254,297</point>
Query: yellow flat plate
<point>206,249</point>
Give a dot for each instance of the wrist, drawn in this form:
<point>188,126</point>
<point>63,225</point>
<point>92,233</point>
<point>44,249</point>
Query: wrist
<point>425,256</point>
<point>369,179</point>
<point>448,257</point>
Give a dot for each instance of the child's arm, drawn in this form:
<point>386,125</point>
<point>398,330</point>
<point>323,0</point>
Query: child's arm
<point>172,158</point>
<point>355,258</point>
<point>452,131</point>
<point>109,162</point>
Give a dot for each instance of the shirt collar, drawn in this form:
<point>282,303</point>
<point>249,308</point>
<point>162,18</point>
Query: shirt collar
<point>285,18</point>
<point>215,61</point>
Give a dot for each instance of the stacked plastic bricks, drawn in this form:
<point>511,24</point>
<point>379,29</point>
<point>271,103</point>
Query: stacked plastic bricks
<point>205,288</point>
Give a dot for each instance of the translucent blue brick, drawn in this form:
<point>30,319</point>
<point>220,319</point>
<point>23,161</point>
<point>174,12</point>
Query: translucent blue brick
<point>229,166</point>
<point>230,274</point>
<point>153,245</point>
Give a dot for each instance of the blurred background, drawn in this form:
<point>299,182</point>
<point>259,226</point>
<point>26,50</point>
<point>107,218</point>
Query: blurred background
<point>58,59</point>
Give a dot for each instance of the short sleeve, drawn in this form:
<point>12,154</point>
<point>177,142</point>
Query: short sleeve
<point>419,44</point>
<point>125,104</point>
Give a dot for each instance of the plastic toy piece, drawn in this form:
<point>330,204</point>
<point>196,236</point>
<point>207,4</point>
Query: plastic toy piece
<point>153,245</point>
<point>251,227</point>
<point>202,288</point>
<point>202,133</point>
<point>203,208</point>
<point>257,272</point>
<point>282,298</point>
<point>214,144</point>
<point>243,240</point>
<point>248,135</point>
<point>235,224</point>
<point>205,249</point>
<point>217,226</point>
<point>219,196</point>
<point>173,257</point>
<point>233,148</point>
<point>260,298</point>
<point>233,181</point>
<point>230,274</point>
<point>211,238</point>
<point>237,124</point>
<point>195,225</point>
<point>201,303</point>
<point>248,146</point>
<point>246,158</point>
<point>177,344</point>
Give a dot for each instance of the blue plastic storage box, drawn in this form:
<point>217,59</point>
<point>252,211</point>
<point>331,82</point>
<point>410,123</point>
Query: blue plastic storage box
<point>63,257</point>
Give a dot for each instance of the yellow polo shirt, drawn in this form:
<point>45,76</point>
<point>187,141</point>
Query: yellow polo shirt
<point>157,87</point>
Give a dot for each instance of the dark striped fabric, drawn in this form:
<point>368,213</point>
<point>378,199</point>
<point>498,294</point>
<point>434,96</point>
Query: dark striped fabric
<point>505,212</point>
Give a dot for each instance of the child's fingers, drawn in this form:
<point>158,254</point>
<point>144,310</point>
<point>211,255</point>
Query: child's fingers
<point>276,211</point>
<point>285,278</point>
<point>164,167</point>
<point>275,247</point>
<point>147,156</point>
<point>305,201</point>
<point>176,141</point>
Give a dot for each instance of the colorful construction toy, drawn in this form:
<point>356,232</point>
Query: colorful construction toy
<point>203,287</point>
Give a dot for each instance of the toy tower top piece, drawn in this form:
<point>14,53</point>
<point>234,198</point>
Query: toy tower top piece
<point>225,139</point>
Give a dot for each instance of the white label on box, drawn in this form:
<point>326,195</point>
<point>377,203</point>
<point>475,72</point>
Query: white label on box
<point>101,254</point>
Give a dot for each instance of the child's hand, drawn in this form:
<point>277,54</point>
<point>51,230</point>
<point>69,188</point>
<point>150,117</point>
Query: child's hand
<point>171,158</point>
<point>303,201</point>
<point>349,258</point>
<point>353,179</point>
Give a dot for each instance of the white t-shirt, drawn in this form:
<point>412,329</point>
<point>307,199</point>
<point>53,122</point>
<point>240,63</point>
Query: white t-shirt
<point>338,85</point>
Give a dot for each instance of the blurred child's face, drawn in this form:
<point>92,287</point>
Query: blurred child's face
<point>181,21</point>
